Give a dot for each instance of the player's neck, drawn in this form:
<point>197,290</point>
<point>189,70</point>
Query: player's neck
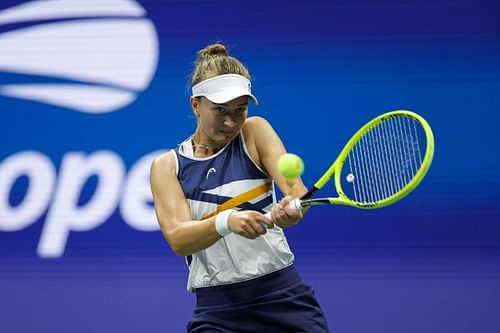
<point>201,149</point>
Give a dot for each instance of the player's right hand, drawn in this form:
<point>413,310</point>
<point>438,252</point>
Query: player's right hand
<point>249,224</point>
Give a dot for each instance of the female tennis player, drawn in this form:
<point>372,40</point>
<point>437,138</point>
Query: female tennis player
<point>210,196</point>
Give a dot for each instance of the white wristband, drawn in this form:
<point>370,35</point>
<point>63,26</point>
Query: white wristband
<point>222,222</point>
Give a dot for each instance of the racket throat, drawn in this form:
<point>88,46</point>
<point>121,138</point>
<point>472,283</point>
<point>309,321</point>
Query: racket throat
<point>315,202</point>
<point>310,193</point>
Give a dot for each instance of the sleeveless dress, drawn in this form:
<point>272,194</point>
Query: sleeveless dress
<point>242,285</point>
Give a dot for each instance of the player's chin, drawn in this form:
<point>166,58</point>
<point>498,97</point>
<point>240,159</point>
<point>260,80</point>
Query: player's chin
<point>225,137</point>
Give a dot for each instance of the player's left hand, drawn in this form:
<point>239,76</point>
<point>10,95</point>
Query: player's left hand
<point>285,216</point>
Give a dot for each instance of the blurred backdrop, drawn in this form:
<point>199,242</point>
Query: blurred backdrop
<point>91,91</point>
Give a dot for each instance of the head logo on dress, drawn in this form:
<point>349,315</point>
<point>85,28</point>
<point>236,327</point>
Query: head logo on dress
<point>90,56</point>
<point>211,170</point>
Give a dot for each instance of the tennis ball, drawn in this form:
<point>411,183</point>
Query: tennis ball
<point>290,166</point>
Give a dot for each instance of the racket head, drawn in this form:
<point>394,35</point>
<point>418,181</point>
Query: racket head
<point>387,158</point>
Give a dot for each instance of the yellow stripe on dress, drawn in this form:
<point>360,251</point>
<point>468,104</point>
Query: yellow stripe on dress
<point>241,198</point>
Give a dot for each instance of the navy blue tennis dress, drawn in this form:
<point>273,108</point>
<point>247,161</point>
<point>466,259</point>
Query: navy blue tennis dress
<point>242,285</point>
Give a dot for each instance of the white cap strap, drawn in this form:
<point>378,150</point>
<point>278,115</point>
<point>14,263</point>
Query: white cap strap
<point>224,88</point>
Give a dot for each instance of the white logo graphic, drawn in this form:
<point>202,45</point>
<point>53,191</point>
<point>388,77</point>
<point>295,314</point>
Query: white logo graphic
<point>57,194</point>
<point>211,170</point>
<point>110,60</point>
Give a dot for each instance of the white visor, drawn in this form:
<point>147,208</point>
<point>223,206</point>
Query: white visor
<point>224,88</point>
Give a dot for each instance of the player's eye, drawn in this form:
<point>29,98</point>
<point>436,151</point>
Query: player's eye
<point>219,109</point>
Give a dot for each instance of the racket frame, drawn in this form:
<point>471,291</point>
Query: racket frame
<point>336,168</point>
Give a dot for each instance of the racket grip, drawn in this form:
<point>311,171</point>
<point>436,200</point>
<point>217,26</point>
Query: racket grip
<point>294,204</point>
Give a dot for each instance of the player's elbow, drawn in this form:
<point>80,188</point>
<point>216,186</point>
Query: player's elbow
<point>180,250</point>
<point>175,241</point>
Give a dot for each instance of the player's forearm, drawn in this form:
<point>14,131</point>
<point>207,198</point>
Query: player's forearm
<point>295,188</point>
<point>192,236</point>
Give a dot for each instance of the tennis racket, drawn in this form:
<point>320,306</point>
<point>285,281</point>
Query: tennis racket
<point>381,164</point>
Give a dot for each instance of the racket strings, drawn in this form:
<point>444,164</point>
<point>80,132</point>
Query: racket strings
<point>385,159</point>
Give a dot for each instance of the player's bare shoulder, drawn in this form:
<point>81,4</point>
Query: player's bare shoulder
<point>164,164</point>
<point>255,126</point>
<point>255,121</point>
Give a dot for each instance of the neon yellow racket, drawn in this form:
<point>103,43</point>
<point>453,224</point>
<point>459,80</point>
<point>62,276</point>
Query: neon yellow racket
<point>383,162</point>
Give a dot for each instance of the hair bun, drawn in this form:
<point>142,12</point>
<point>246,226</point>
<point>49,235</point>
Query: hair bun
<point>215,60</point>
<point>213,50</point>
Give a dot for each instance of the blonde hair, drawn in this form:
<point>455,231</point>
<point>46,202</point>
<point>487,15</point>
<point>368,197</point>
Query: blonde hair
<point>214,60</point>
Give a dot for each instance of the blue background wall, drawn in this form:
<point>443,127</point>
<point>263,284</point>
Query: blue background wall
<point>321,69</point>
